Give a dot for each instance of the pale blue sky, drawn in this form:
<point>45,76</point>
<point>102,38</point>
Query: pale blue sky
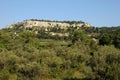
<point>96,12</point>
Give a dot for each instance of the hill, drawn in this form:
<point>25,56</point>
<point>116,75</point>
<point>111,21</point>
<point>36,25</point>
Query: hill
<point>55,53</point>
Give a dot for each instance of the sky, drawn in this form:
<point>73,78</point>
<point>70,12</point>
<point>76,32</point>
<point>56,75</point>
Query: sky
<point>99,13</point>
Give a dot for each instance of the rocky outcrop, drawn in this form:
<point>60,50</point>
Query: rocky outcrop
<point>46,24</point>
<point>62,25</point>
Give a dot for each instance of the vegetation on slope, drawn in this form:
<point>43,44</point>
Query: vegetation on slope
<point>85,54</point>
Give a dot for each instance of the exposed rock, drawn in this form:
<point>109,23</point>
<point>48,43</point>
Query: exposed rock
<point>46,24</point>
<point>59,34</point>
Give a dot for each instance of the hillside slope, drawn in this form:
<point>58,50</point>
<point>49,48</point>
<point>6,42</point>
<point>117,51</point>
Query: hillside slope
<point>84,54</point>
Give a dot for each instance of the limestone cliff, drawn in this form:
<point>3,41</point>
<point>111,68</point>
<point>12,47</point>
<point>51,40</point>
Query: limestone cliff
<point>46,24</point>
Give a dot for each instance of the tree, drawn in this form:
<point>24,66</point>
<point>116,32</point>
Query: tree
<point>79,35</point>
<point>106,39</point>
<point>117,41</point>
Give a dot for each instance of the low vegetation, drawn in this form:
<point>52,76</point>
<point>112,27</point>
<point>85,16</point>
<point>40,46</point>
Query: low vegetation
<point>85,54</point>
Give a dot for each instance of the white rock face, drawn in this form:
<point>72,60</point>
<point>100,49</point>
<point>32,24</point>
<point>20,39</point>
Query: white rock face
<point>46,24</point>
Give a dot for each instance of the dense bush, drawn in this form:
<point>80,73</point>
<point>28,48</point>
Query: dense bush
<point>25,55</point>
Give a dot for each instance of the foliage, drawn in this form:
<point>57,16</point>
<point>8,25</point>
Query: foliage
<point>25,55</point>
